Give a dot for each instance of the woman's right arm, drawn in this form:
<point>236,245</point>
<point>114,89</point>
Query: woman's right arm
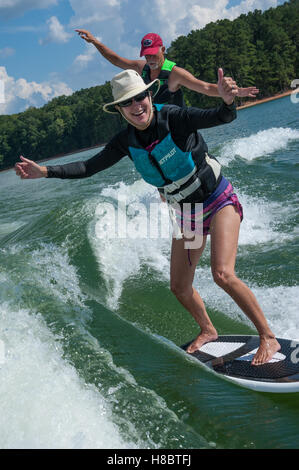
<point>28,169</point>
<point>83,169</point>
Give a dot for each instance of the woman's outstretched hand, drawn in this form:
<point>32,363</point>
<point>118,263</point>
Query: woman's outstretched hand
<point>227,87</point>
<point>27,169</point>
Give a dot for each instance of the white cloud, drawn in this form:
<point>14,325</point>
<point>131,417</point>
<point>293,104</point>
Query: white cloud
<point>82,60</point>
<point>201,14</point>
<point>169,18</point>
<point>7,52</point>
<point>19,93</point>
<point>122,23</point>
<point>174,17</point>
<point>56,32</point>
<point>14,8</point>
<point>90,12</point>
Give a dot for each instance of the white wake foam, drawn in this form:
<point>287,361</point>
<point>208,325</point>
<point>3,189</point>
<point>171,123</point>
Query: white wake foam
<point>121,258</point>
<point>261,220</point>
<point>258,145</point>
<point>43,401</point>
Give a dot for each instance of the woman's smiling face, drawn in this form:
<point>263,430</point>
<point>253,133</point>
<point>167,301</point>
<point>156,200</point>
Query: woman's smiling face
<point>138,113</point>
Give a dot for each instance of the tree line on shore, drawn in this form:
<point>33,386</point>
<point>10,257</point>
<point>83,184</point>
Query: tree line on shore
<point>259,48</point>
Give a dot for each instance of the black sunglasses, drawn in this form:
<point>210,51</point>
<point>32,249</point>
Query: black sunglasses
<point>137,98</point>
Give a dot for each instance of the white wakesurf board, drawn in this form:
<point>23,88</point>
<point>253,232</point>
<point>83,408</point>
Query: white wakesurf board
<point>230,357</point>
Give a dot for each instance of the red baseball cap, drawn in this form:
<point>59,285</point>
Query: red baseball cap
<point>150,44</point>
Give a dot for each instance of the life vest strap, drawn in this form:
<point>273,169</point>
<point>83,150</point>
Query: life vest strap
<point>194,182</point>
<point>184,192</point>
<point>169,188</point>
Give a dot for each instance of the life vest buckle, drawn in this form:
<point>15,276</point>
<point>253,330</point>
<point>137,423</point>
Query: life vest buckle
<point>184,192</point>
<point>174,185</point>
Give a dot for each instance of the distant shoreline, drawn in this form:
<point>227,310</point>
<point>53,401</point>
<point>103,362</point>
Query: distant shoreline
<point>264,100</point>
<point>239,108</point>
<point>61,155</point>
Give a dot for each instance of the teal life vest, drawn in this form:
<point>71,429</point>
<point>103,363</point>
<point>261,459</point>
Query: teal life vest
<point>174,171</point>
<point>164,95</point>
<point>174,164</point>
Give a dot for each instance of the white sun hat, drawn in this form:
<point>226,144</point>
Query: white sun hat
<point>126,85</point>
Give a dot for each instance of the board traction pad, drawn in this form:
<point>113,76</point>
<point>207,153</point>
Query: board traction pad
<point>232,356</point>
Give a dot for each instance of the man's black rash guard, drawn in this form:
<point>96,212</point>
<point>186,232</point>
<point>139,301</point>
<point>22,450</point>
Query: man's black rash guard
<point>183,123</point>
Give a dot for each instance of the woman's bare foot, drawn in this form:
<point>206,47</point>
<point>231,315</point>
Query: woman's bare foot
<point>203,338</point>
<point>268,347</point>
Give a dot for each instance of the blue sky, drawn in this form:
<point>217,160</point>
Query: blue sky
<point>41,56</point>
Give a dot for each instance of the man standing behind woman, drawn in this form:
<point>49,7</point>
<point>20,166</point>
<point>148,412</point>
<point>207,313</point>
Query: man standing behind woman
<point>155,66</point>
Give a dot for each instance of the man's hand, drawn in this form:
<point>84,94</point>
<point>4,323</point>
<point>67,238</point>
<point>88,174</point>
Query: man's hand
<point>86,35</point>
<point>227,87</point>
<point>28,169</point>
<point>250,91</point>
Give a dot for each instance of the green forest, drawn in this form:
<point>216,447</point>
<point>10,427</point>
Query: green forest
<point>259,48</point>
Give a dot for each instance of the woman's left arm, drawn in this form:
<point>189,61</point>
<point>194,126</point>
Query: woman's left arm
<point>186,120</point>
<point>226,89</point>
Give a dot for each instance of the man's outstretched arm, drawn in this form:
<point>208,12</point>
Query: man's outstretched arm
<point>110,55</point>
<point>181,77</point>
